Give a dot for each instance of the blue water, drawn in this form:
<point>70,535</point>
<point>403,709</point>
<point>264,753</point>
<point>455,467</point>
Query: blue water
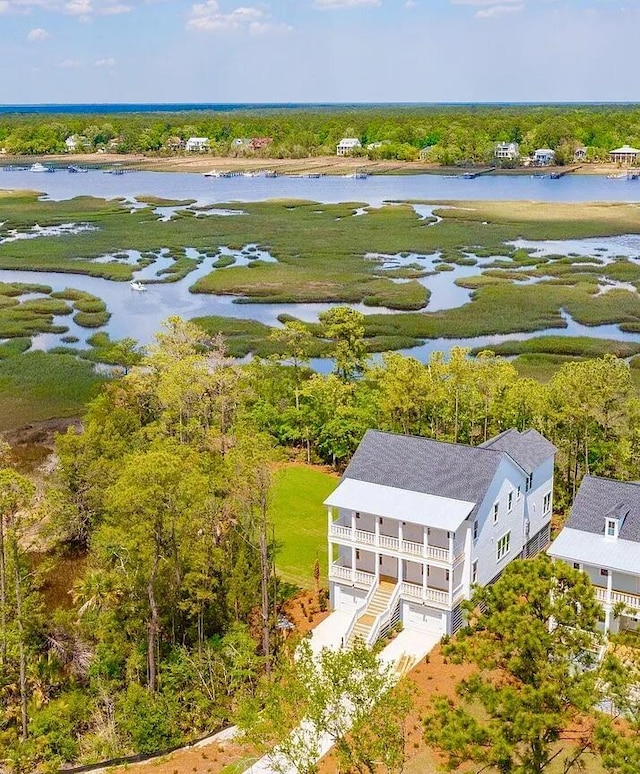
<point>373,190</point>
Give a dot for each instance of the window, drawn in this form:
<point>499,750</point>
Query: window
<point>496,507</point>
<point>510,501</point>
<point>357,515</point>
<point>604,573</point>
<point>612,528</point>
<point>576,566</point>
<point>357,553</point>
<point>529,482</point>
<point>474,572</point>
<point>446,575</point>
<point>475,529</point>
<point>546,504</point>
<point>519,493</point>
<point>504,545</point>
<point>379,560</point>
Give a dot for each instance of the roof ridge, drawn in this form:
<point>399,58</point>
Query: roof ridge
<point>455,444</point>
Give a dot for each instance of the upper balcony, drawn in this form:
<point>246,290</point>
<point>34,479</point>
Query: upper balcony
<point>630,601</point>
<point>389,544</point>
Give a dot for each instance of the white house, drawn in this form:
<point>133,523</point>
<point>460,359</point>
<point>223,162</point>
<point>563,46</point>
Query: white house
<point>602,538</point>
<point>414,523</point>
<point>507,150</point>
<point>543,157</point>
<point>347,145</point>
<point>197,145</point>
<point>580,154</point>
<point>625,155</point>
<point>75,142</point>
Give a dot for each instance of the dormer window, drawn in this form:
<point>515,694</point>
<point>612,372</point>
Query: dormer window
<point>529,482</point>
<point>611,528</point>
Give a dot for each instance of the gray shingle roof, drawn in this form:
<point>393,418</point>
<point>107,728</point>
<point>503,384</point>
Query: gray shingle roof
<point>601,497</point>
<point>528,449</point>
<point>431,467</point>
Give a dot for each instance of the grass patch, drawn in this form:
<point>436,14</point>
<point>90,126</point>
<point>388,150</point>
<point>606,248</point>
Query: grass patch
<point>300,521</point>
<point>38,386</point>
<point>573,346</point>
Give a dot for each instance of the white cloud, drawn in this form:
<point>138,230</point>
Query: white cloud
<point>4,6</point>
<point>207,17</point>
<point>107,62</point>
<point>330,5</point>
<point>498,10</point>
<point>37,34</point>
<point>69,63</point>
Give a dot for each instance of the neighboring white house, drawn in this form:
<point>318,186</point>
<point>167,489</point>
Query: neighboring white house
<point>414,523</point>
<point>543,157</point>
<point>625,155</point>
<point>580,154</point>
<point>602,538</point>
<point>197,144</point>
<point>507,150</point>
<point>75,142</point>
<point>346,145</point>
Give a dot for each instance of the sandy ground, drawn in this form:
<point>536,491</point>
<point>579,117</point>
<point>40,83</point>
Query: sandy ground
<point>325,165</point>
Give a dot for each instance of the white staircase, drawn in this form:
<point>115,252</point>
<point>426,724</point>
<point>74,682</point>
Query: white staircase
<point>378,604</point>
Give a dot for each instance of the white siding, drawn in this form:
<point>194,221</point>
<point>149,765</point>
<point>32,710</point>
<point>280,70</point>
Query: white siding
<point>542,484</point>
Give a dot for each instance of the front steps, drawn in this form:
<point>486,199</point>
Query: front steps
<point>378,604</point>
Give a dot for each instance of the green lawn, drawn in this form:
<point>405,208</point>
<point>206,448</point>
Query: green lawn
<point>300,521</point>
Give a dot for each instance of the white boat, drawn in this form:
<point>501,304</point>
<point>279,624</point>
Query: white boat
<point>38,167</point>
<point>137,285</point>
<point>213,173</point>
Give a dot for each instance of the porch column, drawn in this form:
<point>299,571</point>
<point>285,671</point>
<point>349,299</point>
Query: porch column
<point>425,541</point>
<point>400,570</point>
<point>400,535</point>
<point>425,585</point>
<point>353,565</point>
<point>607,609</point>
<point>329,543</point>
<point>451,585</point>
<point>377,530</point>
<point>451,534</point>
<point>353,526</point>
<point>377,561</point>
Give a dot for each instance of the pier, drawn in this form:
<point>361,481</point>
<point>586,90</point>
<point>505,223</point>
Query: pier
<point>477,173</point>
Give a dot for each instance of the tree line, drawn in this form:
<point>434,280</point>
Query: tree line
<point>163,498</point>
<point>454,134</point>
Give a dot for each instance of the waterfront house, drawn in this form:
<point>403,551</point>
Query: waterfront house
<point>240,143</point>
<point>75,143</point>
<point>425,153</point>
<point>580,154</point>
<point>543,157</point>
<point>415,523</point>
<point>259,143</point>
<point>197,145</point>
<point>602,538</point>
<point>625,155</point>
<point>174,143</point>
<point>509,151</point>
<point>347,145</point>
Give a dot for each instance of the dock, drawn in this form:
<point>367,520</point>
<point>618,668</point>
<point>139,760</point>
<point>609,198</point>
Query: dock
<point>477,173</point>
<point>563,172</point>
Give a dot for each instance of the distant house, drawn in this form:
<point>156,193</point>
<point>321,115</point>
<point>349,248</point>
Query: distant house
<point>347,145</point>
<point>543,157</point>
<point>259,143</point>
<point>174,143</point>
<point>241,143</point>
<point>602,538</point>
<point>625,155</point>
<point>75,142</point>
<point>580,154</point>
<point>508,151</point>
<point>197,145</point>
<point>425,152</point>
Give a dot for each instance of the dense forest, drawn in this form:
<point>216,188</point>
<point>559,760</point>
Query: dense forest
<point>164,496</point>
<point>455,134</point>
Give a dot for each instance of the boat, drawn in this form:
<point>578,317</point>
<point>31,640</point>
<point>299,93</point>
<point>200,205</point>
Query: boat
<point>74,169</point>
<point>212,173</point>
<point>617,177</point>
<point>38,167</point>
<point>538,176</point>
<point>135,285</point>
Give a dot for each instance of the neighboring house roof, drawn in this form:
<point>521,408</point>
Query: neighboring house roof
<point>625,149</point>
<point>351,142</point>
<point>598,498</point>
<point>575,545</point>
<point>528,449</point>
<point>545,152</point>
<point>448,470</point>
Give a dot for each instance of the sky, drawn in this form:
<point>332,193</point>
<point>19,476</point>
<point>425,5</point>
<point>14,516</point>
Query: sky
<point>110,51</point>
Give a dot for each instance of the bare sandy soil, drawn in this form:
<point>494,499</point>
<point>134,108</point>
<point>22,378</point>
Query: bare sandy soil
<point>325,165</point>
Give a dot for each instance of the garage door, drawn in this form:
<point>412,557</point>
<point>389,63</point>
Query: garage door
<point>425,619</point>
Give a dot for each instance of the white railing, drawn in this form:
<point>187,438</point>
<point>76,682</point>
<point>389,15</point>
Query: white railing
<point>357,613</point>
<point>389,543</point>
<point>340,572</point>
<point>385,616</point>
<point>632,601</point>
<point>426,595</point>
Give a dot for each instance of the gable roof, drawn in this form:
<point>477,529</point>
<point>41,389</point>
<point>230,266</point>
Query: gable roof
<point>625,149</point>
<point>528,449</point>
<point>415,464</point>
<point>598,498</point>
